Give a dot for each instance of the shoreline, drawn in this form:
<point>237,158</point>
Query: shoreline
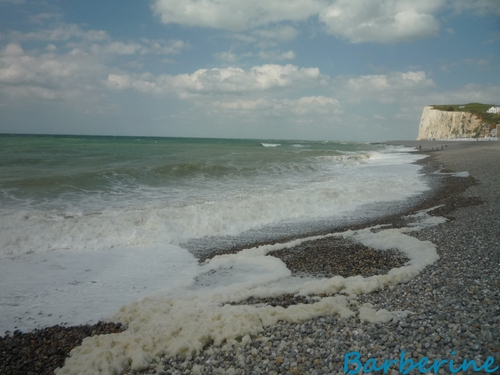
<point>447,313</point>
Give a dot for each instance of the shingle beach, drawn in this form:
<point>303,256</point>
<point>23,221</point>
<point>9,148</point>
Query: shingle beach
<point>453,306</point>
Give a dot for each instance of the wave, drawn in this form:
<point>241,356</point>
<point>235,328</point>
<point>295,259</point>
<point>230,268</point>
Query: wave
<point>142,222</point>
<point>271,144</point>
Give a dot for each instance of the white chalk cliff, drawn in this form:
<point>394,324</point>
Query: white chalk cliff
<point>444,124</point>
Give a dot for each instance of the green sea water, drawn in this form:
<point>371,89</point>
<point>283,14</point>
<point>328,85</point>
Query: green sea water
<point>87,192</point>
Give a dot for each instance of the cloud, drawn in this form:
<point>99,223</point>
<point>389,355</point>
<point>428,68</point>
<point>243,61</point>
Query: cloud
<point>276,55</point>
<point>12,49</point>
<point>99,42</point>
<point>49,75</point>
<point>282,33</point>
<point>235,15</point>
<point>382,21</point>
<point>309,105</point>
<point>43,18</point>
<point>480,7</point>
<point>314,104</point>
<point>387,87</point>
<point>145,46</point>
<point>480,93</point>
<point>227,56</point>
<point>73,62</point>
<point>221,80</point>
<point>61,33</point>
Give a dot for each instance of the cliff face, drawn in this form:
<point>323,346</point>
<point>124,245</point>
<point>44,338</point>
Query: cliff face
<point>443,124</point>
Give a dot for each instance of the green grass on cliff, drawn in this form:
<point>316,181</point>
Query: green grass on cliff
<point>477,108</point>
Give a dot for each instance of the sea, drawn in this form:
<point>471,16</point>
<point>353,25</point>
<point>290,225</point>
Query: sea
<point>92,223</point>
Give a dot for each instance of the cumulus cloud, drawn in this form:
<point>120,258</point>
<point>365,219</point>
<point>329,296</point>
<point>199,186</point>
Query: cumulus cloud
<point>74,61</point>
<point>235,15</point>
<point>12,49</point>
<point>49,75</point>
<point>381,21</point>
<point>221,81</point>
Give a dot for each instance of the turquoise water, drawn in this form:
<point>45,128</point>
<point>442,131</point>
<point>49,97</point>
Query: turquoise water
<point>82,192</point>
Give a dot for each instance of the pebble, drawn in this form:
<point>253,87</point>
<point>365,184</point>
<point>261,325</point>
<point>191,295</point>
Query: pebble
<point>454,304</point>
<point>41,351</point>
<point>449,301</point>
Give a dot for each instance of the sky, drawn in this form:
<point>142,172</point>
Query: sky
<point>347,70</point>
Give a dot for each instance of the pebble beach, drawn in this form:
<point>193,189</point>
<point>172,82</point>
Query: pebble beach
<point>453,306</point>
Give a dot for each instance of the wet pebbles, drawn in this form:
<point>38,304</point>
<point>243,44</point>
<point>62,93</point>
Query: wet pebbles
<point>338,256</point>
<point>454,304</point>
<point>41,351</point>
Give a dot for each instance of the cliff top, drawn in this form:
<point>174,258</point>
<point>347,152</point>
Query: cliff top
<point>478,109</point>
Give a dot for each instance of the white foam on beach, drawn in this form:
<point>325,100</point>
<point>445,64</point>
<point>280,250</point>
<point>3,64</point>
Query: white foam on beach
<point>182,320</point>
<point>76,287</point>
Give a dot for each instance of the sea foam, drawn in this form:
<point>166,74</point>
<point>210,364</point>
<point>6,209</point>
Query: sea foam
<point>166,325</point>
<point>276,197</point>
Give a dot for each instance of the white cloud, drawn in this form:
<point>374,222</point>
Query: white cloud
<point>387,87</point>
<point>235,15</point>
<point>283,33</point>
<point>245,104</point>
<point>382,21</point>
<point>117,48</point>
<point>62,33</point>
<point>99,42</point>
<point>309,105</point>
<point>480,93</point>
<point>12,49</point>
<point>162,47</point>
<point>49,75</point>
<point>314,104</point>
<point>227,56</point>
<point>222,81</point>
<point>80,69</point>
<point>276,55</point>
<point>144,47</point>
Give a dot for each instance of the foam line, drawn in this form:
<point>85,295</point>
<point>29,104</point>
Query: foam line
<point>162,325</point>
